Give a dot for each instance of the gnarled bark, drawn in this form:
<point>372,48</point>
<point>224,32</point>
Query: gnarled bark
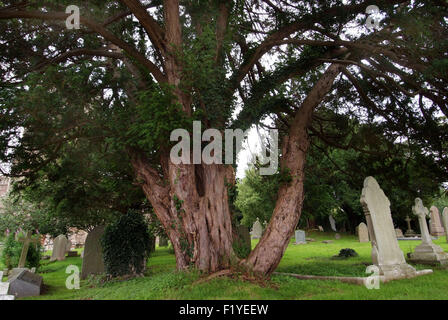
<point>192,205</point>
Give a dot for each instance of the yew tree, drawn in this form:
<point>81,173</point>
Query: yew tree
<point>135,70</point>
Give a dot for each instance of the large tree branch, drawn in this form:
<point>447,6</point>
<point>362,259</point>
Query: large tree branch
<point>80,52</point>
<point>307,22</point>
<point>155,32</point>
<point>98,28</point>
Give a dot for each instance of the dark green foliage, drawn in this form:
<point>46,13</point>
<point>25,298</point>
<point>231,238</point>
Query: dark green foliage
<point>346,253</point>
<point>241,242</point>
<point>126,245</point>
<point>241,248</point>
<point>13,249</point>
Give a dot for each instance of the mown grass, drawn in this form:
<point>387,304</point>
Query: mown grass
<point>162,281</point>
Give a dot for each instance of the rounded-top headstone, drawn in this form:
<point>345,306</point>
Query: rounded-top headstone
<point>92,262</point>
<point>363,232</point>
<point>386,252</point>
<point>59,248</point>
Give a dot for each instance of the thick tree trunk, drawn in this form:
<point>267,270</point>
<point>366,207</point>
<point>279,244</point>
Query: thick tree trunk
<point>267,254</point>
<point>194,210</point>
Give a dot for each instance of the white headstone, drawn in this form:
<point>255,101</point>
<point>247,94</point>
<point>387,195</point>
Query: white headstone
<point>59,248</point>
<point>4,286</point>
<point>386,253</point>
<point>257,230</point>
<point>363,232</point>
<point>332,223</point>
<point>300,237</point>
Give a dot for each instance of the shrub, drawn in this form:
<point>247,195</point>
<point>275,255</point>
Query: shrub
<point>13,249</point>
<point>126,245</point>
<point>241,242</point>
<point>347,253</point>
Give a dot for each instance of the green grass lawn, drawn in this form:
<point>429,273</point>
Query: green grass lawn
<point>162,281</point>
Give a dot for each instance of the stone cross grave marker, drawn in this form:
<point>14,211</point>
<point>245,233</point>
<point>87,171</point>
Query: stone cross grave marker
<point>386,253</point>
<point>427,251</point>
<point>409,232</point>
<point>26,245</point>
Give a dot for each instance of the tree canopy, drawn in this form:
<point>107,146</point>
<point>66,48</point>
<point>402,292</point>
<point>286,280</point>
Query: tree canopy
<point>136,69</point>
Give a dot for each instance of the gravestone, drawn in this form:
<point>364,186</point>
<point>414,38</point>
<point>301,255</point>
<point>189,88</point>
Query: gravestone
<point>332,223</point>
<point>337,236</point>
<point>399,233</point>
<point>26,245</point>
<point>25,284</point>
<point>445,221</point>
<point>363,232</point>
<point>4,286</point>
<point>257,230</point>
<point>68,246</point>
<point>435,227</point>
<point>320,228</point>
<point>300,237</point>
<point>409,232</point>
<point>92,262</point>
<point>426,252</point>
<point>15,271</point>
<point>72,254</point>
<point>386,253</point>
<point>59,248</point>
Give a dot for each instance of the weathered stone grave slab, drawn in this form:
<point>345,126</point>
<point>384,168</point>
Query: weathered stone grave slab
<point>15,271</point>
<point>435,227</point>
<point>399,233</point>
<point>257,230</point>
<point>59,248</point>
<point>4,287</point>
<point>25,284</point>
<point>300,237</point>
<point>386,253</point>
<point>363,232</point>
<point>92,262</point>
